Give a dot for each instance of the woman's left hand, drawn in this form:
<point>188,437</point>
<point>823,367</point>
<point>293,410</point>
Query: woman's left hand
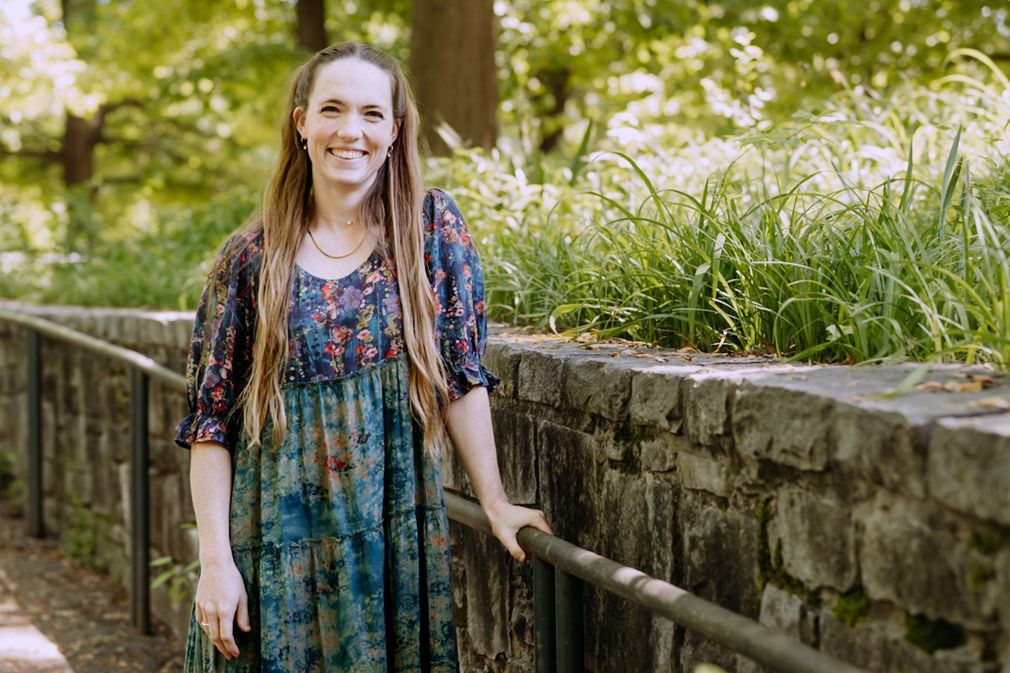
<point>508,519</point>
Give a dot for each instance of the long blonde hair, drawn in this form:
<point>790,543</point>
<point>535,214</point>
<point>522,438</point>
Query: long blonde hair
<point>392,208</point>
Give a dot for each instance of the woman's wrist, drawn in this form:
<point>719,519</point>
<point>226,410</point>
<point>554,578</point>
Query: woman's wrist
<point>494,506</point>
<point>219,557</point>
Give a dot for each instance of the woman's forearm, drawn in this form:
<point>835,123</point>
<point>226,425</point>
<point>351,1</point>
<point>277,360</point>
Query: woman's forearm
<point>210,483</point>
<point>469,426</point>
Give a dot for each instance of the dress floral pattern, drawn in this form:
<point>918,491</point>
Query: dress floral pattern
<point>339,532</point>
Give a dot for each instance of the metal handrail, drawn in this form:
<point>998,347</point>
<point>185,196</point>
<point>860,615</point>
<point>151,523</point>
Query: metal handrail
<point>118,353</point>
<point>141,369</point>
<point>741,634</point>
<point>557,595</point>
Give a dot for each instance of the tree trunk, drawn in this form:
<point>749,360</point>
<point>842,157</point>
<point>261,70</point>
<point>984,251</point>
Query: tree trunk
<point>452,47</point>
<point>78,152</point>
<point>77,149</point>
<point>311,24</point>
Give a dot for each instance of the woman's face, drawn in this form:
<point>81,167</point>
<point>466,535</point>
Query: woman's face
<point>348,123</point>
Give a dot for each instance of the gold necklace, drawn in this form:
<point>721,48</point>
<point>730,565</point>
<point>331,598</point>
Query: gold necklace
<point>364,235</point>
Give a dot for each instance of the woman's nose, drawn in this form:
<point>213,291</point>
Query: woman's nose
<point>350,128</point>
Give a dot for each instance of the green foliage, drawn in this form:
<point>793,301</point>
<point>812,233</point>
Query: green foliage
<point>10,486</point>
<point>852,606</point>
<point>980,575</point>
<point>163,267</point>
<point>78,537</point>
<point>877,244</point>
<point>985,542</point>
<point>933,634</point>
<point>181,579</point>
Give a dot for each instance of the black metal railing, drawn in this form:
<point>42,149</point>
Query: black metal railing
<point>560,568</point>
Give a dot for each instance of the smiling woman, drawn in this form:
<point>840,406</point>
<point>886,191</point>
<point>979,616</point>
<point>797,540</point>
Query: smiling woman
<point>337,342</point>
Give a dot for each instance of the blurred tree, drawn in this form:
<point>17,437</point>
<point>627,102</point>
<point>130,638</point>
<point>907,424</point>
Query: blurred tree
<point>311,24</point>
<point>452,63</point>
<point>718,66</point>
<point>123,107</point>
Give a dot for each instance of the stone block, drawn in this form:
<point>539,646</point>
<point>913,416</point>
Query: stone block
<point>174,613</point>
<point>718,552</point>
<point>785,612</point>
<point>788,613</point>
<point>503,359</point>
<point>568,481</point>
<point>621,636</point>
<point>880,645</point>
<point>1002,563</point>
<point>540,377</point>
<point>597,387</point>
<point>182,331</point>
<point>659,453</point>
<point>706,406</point>
<point>104,497</point>
<point>914,556</point>
<point>638,523</point>
<point>515,438</point>
<point>160,526</point>
<point>655,396</point>
<point>702,473</point>
<point>453,474</point>
<point>785,426</point>
<point>162,454</point>
<point>969,466</point>
<point>814,536</point>
<point>169,510</point>
<point>696,650</point>
<point>124,494</point>
<point>882,447</point>
<point>486,599</point>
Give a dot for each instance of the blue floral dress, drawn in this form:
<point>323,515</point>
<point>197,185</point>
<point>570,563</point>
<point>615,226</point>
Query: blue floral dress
<point>339,532</point>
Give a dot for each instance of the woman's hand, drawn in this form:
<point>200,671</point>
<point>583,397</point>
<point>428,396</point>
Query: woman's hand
<point>508,519</point>
<point>221,600</point>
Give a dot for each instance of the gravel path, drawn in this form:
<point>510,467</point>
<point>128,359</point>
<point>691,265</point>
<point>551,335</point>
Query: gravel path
<point>57,616</point>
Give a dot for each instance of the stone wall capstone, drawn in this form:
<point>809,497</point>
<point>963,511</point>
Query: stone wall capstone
<point>871,525</point>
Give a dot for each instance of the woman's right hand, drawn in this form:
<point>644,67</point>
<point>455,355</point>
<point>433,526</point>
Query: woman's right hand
<point>221,600</point>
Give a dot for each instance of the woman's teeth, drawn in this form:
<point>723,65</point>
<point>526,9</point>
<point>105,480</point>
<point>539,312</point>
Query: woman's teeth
<point>345,154</point>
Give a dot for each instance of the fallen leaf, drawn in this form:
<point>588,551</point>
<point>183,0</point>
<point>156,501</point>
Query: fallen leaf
<point>998,403</point>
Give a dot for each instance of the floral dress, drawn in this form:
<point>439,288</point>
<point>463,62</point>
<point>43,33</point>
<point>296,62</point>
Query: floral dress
<point>340,531</point>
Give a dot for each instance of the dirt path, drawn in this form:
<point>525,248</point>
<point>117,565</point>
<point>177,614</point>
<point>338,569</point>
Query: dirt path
<point>81,611</point>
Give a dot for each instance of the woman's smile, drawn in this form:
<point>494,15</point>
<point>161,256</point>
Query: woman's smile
<point>348,125</point>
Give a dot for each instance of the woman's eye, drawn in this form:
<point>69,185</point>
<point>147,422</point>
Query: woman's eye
<point>376,115</point>
<point>329,108</point>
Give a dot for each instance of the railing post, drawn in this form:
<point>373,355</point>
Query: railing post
<point>36,520</point>
<point>543,616</point>
<point>568,609</point>
<point>139,505</point>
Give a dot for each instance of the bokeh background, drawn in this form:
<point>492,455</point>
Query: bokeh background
<point>822,180</point>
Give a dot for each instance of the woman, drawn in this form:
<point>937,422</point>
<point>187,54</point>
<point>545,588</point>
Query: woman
<point>338,338</point>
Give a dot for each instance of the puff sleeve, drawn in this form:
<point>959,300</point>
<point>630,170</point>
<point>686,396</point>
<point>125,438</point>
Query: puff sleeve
<point>458,284</point>
<point>220,351</point>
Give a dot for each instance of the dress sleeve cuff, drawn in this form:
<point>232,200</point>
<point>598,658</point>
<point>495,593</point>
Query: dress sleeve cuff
<point>202,428</point>
<point>466,375</point>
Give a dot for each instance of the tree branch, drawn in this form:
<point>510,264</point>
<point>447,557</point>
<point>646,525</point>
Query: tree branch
<point>48,155</point>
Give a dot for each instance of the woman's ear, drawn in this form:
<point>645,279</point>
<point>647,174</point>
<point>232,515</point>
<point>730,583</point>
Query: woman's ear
<point>299,119</point>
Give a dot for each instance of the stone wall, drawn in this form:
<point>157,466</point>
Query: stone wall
<point>872,525</point>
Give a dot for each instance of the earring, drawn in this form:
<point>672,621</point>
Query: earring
<point>389,152</point>
<point>305,144</point>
